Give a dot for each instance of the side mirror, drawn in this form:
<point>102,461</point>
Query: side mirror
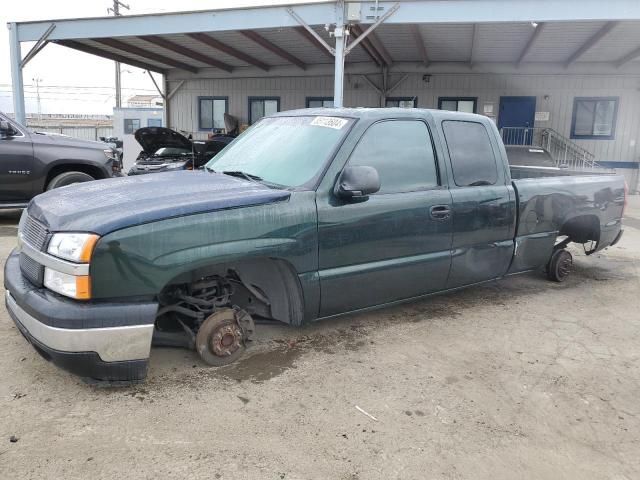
<point>358,182</point>
<point>5,129</point>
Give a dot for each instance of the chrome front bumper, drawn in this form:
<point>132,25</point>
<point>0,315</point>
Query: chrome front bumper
<point>114,344</point>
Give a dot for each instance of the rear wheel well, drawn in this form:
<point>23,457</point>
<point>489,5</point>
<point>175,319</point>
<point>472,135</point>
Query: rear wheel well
<point>265,287</point>
<point>582,229</point>
<point>95,172</point>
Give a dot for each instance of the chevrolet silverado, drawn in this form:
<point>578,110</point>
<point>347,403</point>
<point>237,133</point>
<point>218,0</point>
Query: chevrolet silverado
<point>309,214</point>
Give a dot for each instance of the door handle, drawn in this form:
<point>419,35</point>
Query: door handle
<point>440,212</point>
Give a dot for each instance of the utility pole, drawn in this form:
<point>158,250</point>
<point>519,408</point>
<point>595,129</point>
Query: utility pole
<point>37,81</point>
<point>116,12</point>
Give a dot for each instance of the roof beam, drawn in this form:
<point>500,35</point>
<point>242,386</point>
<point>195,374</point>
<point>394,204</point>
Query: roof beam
<point>141,52</point>
<point>110,55</point>
<point>366,45</point>
<point>627,58</point>
<point>40,44</point>
<point>474,42</point>
<point>378,45</point>
<point>417,37</point>
<point>537,30</point>
<point>498,11</point>
<point>179,22</point>
<point>273,48</point>
<point>314,41</point>
<point>187,52</point>
<point>375,44</point>
<point>223,47</point>
<point>599,35</point>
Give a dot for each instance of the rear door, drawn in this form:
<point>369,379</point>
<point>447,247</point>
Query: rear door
<point>516,119</point>
<point>483,204</point>
<point>16,166</point>
<point>396,243</point>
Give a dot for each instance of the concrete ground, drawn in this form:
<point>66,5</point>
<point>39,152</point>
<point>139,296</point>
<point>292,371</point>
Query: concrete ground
<point>521,378</point>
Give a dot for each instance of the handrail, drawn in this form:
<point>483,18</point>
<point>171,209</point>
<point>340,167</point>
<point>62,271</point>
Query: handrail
<point>563,151</point>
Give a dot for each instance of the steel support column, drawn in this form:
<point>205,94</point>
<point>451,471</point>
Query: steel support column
<point>338,78</point>
<point>17,85</point>
<point>341,38</point>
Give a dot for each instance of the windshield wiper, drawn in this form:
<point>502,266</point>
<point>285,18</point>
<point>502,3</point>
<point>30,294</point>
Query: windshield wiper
<point>241,174</point>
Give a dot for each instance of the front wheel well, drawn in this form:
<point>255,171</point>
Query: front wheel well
<point>92,170</point>
<point>264,287</point>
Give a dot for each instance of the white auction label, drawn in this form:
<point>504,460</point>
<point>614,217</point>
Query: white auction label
<point>329,122</point>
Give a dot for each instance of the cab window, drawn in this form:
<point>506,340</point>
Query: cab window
<point>402,153</point>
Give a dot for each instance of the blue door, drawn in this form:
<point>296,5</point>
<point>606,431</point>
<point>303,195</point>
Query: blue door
<point>516,118</point>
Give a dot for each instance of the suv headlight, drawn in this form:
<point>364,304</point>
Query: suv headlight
<point>176,165</point>
<point>76,247</point>
<point>110,153</point>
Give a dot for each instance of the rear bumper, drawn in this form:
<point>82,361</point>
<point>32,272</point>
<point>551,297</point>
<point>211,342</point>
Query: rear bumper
<point>101,342</point>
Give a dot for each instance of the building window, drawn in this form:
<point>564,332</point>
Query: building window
<point>458,104</point>
<point>402,102</point>
<point>471,154</point>
<point>594,117</point>
<point>211,112</point>
<point>318,102</point>
<point>401,170</point>
<point>131,125</point>
<point>261,107</point>
<point>154,122</point>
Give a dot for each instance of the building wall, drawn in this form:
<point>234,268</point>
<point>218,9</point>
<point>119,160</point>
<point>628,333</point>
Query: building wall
<point>130,147</point>
<point>554,94</point>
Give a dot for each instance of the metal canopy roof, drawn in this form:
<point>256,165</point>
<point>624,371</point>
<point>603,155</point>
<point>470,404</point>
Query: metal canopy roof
<point>423,34</point>
<point>465,43</point>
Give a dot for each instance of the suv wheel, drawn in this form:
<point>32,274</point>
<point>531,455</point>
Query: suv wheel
<point>68,178</point>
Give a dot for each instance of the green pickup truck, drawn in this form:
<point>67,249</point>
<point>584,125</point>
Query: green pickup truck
<point>307,215</point>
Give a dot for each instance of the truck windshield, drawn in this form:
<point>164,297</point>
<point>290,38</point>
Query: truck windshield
<point>288,151</point>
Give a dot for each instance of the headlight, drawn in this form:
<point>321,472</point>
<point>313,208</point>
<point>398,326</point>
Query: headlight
<point>176,165</point>
<point>110,154</point>
<point>76,247</point>
<point>73,286</point>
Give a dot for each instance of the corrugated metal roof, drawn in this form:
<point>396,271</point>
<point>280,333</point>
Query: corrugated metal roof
<point>620,41</point>
<point>494,43</point>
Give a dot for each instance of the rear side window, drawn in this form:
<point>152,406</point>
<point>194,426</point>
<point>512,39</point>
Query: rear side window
<point>472,158</point>
<point>402,153</point>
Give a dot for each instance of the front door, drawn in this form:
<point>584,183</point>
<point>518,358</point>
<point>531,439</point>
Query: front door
<point>396,243</point>
<point>516,119</point>
<point>16,164</point>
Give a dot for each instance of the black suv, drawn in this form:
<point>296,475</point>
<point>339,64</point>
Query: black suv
<point>165,150</point>
<point>32,162</point>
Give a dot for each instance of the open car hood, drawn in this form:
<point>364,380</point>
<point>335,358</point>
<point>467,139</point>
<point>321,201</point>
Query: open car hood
<point>151,139</point>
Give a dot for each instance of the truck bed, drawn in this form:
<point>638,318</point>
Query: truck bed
<point>587,205</point>
<point>536,171</point>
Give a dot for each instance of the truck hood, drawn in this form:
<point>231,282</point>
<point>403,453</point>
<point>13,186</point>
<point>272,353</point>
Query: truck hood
<point>151,139</point>
<point>65,140</point>
<point>104,206</point>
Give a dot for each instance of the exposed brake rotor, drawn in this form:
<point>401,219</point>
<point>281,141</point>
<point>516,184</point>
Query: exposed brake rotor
<point>222,336</point>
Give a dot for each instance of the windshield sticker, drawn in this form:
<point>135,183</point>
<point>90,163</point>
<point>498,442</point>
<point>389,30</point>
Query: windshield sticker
<point>329,122</point>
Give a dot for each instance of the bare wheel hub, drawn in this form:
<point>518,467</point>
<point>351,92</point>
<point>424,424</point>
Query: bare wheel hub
<point>225,339</point>
<point>222,336</point>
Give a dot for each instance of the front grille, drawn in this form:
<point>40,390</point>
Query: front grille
<point>34,233</point>
<point>32,270</point>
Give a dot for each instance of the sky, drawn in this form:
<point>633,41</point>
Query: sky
<point>75,82</point>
